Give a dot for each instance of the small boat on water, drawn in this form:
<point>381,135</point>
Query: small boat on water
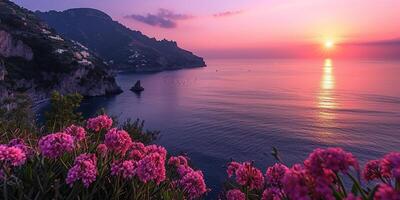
<point>137,88</point>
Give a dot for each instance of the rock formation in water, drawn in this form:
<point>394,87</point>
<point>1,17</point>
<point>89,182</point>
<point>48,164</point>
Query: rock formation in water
<point>137,88</point>
<point>121,47</point>
<point>35,60</point>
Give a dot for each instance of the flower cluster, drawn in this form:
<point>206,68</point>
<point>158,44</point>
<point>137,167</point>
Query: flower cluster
<point>193,184</point>
<point>235,194</point>
<point>56,144</point>
<point>111,161</point>
<point>386,192</point>
<point>372,170</point>
<point>271,194</point>
<point>126,169</point>
<point>14,154</point>
<point>151,168</point>
<point>296,183</point>
<point>20,143</point>
<point>317,178</point>
<point>77,132</point>
<point>246,175</point>
<point>84,169</point>
<point>118,141</point>
<point>100,122</point>
<point>275,174</point>
<point>145,162</point>
<point>137,151</point>
<point>11,156</point>
<point>191,181</point>
<point>390,165</point>
<point>322,161</point>
<point>322,165</point>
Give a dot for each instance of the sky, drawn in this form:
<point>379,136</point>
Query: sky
<point>257,28</point>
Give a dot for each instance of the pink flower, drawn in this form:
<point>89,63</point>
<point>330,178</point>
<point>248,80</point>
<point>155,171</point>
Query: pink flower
<point>19,143</point>
<point>247,175</point>
<point>386,192</point>
<point>118,141</point>
<point>99,122</point>
<point>193,184</point>
<point>13,156</point>
<point>352,197</point>
<point>323,189</point>
<point>275,174</point>
<point>137,151</point>
<point>156,149</point>
<point>77,132</point>
<point>178,161</point>
<point>372,170</point>
<point>232,167</point>
<point>135,155</point>
<point>126,169</point>
<point>183,170</point>
<point>334,159</point>
<point>56,144</point>
<point>271,194</point>
<point>390,165</point>
<point>102,150</point>
<point>151,167</point>
<point>235,194</point>
<point>295,183</point>
<point>139,147</point>
<point>84,169</point>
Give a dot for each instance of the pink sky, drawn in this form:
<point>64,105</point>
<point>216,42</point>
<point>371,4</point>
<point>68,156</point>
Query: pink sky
<point>257,28</point>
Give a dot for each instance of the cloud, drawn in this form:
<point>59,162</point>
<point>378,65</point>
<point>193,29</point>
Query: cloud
<point>164,18</point>
<point>391,42</point>
<point>227,13</point>
<point>373,49</point>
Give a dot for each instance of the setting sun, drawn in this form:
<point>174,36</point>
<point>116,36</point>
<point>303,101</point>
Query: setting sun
<point>329,44</point>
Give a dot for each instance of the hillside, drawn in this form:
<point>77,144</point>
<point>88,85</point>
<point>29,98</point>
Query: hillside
<point>35,60</point>
<point>121,47</point>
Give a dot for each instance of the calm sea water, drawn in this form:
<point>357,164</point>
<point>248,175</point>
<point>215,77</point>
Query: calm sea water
<point>240,109</point>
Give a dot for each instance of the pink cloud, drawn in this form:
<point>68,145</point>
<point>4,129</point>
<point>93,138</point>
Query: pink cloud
<point>227,13</point>
<point>164,18</point>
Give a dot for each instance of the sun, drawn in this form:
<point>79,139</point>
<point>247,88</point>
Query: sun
<point>329,44</point>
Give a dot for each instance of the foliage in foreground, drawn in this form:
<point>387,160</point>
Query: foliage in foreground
<point>90,159</point>
<point>321,176</point>
<point>96,162</point>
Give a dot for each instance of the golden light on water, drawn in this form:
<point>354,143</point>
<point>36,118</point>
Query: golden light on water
<point>328,81</point>
<point>326,100</point>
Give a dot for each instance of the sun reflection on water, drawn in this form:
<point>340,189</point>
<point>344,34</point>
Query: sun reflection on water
<point>326,99</point>
<point>326,94</point>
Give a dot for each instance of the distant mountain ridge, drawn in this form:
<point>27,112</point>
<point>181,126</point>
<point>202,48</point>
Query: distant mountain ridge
<point>36,60</point>
<point>121,47</point>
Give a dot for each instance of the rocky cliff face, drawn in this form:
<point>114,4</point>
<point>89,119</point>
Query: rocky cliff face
<point>121,47</point>
<point>34,59</point>
<point>10,47</point>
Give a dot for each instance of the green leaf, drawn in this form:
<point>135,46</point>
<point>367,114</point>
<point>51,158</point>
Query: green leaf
<point>372,193</point>
<point>354,189</point>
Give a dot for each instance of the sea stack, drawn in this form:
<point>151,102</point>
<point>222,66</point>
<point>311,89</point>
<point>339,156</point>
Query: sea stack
<point>137,88</point>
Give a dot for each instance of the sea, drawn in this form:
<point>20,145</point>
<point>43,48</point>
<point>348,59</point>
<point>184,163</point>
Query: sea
<point>239,109</point>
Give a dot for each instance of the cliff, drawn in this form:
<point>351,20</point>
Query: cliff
<point>35,60</point>
<point>121,47</point>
